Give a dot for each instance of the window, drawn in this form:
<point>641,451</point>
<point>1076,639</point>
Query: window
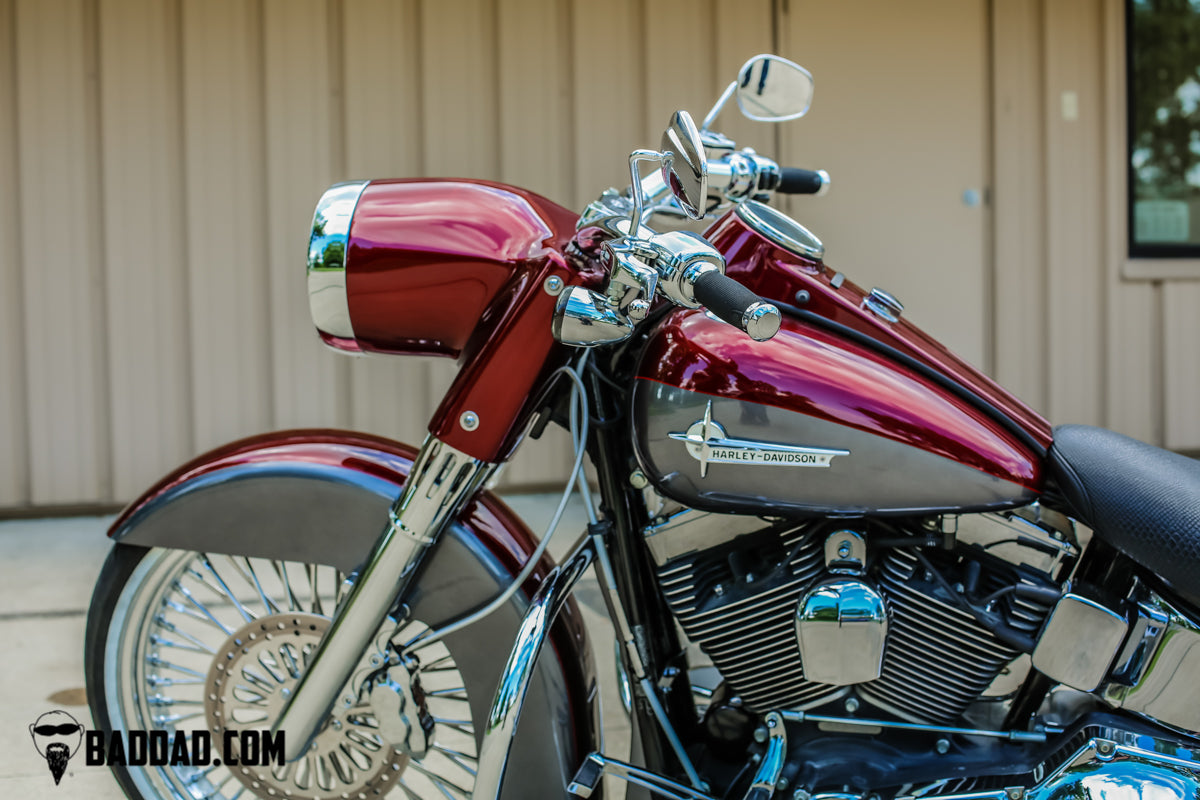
<point>1163,79</point>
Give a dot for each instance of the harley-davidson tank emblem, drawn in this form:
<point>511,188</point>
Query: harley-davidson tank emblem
<point>708,443</point>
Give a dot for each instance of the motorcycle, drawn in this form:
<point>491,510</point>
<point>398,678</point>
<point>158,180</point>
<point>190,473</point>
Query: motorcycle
<point>910,585</point>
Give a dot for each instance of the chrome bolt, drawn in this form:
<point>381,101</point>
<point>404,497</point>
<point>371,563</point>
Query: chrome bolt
<point>844,550</point>
<point>718,590</point>
<point>942,746</point>
<point>760,734</point>
<point>553,285</point>
<point>637,309</point>
<point>1105,749</point>
<point>638,480</point>
<point>735,701</point>
<point>781,784</point>
<point>851,705</point>
<point>1014,792</point>
<point>469,420</point>
<point>801,794</point>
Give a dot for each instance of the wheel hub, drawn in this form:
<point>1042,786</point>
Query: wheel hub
<point>251,677</point>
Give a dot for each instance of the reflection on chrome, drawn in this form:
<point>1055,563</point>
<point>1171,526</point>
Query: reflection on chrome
<point>514,680</point>
<point>327,246</point>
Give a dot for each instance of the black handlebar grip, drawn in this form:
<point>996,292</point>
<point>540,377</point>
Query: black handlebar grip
<point>793,180</point>
<point>737,305</point>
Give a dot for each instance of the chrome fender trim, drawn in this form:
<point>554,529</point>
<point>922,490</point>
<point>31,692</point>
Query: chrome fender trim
<point>511,690</point>
<point>322,496</point>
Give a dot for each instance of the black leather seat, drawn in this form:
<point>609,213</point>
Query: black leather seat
<point>1141,499</point>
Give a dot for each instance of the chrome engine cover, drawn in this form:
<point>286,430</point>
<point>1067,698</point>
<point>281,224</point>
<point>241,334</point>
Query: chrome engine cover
<point>841,625</point>
<point>771,610</point>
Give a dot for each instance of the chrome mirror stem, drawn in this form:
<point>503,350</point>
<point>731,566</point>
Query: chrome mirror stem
<point>635,186</point>
<point>711,116</point>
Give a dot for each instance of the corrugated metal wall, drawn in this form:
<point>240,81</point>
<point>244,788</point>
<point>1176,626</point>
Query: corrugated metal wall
<point>159,163</point>
<point>160,159</point>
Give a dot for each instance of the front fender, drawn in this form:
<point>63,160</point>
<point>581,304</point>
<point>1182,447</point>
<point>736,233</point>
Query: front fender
<point>323,496</point>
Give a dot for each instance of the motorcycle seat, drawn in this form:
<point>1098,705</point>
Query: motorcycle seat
<point>1141,499</point>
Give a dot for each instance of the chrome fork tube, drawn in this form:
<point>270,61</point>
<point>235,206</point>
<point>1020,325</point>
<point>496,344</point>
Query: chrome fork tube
<point>441,481</point>
<point>514,680</point>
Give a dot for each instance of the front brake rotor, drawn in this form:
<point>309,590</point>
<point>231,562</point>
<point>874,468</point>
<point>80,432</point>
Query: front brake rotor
<point>251,677</point>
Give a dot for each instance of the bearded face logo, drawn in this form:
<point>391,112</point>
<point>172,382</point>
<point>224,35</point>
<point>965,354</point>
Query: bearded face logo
<point>57,736</point>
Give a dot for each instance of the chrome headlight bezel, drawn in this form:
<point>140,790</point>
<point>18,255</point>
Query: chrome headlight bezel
<point>328,251</point>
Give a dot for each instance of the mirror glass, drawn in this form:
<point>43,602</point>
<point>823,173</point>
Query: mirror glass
<point>684,166</point>
<point>773,89</point>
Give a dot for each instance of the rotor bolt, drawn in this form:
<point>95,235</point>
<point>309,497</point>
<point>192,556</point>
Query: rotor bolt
<point>760,734</point>
<point>942,746</point>
<point>851,705</point>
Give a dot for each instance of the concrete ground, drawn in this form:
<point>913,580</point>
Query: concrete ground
<point>47,570</point>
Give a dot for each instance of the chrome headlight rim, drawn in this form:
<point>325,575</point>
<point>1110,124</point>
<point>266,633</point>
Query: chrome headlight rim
<point>328,253</point>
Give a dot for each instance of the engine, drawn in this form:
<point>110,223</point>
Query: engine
<point>914,621</point>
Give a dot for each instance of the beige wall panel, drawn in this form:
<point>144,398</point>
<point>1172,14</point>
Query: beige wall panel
<point>608,68</point>
<point>741,31</point>
<point>1181,365</point>
<point>14,482</point>
<point>303,130</point>
<point>536,152</point>
<point>680,74</point>
<point>383,140</point>
<point>459,109</point>
<point>61,250</point>
<point>141,147</point>
<point>224,177</point>
<point>1074,212</point>
<point>1133,355</point>
<point>536,113</point>
<point>1018,290</point>
<point>900,120</point>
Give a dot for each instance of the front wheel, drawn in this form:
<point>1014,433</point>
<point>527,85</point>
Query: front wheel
<point>193,644</point>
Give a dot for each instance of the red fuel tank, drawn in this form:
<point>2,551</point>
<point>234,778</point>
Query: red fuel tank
<point>817,421</point>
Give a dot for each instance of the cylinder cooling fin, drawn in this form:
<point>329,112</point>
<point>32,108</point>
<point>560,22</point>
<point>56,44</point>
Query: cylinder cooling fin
<point>739,600</point>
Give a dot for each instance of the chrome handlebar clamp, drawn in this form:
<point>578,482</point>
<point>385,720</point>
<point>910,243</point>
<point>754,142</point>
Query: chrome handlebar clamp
<point>645,263</point>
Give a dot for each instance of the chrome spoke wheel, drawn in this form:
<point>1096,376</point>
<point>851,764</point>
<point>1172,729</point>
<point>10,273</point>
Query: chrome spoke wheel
<point>214,643</point>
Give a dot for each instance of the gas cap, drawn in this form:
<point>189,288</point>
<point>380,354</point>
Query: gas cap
<point>883,304</point>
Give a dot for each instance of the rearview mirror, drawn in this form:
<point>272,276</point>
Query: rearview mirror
<point>684,165</point>
<point>773,89</point>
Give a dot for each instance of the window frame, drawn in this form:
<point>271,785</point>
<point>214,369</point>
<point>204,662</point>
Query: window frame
<point>1138,262</point>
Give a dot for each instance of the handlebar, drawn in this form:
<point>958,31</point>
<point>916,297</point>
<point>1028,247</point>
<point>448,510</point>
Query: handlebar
<point>794,180</point>
<point>737,305</point>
